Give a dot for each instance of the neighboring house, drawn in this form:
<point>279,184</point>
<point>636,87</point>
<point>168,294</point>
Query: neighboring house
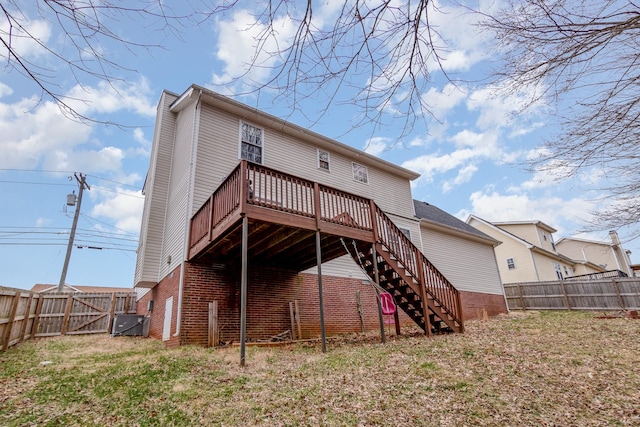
<point>69,289</point>
<point>239,208</point>
<point>609,256</point>
<point>528,252</point>
<point>466,256</point>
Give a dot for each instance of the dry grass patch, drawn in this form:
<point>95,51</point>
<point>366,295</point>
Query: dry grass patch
<point>530,368</point>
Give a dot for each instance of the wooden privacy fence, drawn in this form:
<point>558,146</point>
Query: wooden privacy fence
<point>24,314</point>
<point>601,294</point>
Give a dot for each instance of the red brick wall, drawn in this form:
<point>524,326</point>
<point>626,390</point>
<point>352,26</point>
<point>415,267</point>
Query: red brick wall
<point>166,288</point>
<point>476,305</point>
<point>269,294</point>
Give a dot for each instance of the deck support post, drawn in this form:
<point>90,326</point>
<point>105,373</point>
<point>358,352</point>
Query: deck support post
<point>374,254</point>
<point>243,289</point>
<point>321,299</point>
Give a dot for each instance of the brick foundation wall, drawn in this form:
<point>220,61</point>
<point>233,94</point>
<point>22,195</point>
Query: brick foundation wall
<point>269,292</point>
<point>168,287</point>
<point>268,297</point>
<point>476,305</point>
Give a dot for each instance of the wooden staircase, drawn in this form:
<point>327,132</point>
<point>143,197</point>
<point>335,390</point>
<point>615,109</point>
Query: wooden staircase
<point>405,272</point>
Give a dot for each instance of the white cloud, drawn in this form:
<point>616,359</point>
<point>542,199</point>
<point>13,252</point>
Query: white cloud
<point>5,90</point>
<point>464,175</point>
<point>470,148</point>
<point>441,102</point>
<point>237,47</point>
<point>376,145</point>
<point>557,212</point>
<point>37,134</point>
<point>123,209</point>
<point>497,107</point>
<point>26,41</point>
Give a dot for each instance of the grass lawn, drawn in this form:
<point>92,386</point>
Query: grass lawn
<point>528,368</point>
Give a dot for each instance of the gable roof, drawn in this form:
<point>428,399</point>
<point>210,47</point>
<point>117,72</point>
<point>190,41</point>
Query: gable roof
<point>428,212</point>
<point>537,223</point>
<point>529,245</point>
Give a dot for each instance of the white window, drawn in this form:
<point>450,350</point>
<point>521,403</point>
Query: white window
<point>511,264</point>
<point>323,160</point>
<point>360,173</point>
<point>558,269</point>
<point>251,143</point>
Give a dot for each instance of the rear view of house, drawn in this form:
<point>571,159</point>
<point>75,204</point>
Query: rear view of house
<point>255,213</point>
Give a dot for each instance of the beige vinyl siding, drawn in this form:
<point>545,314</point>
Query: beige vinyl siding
<point>156,188</point>
<point>470,266</point>
<point>176,216</point>
<point>346,267</point>
<point>546,269</point>
<point>598,254</point>
<point>218,154</point>
<point>511,247</point>
<point>528,232</point>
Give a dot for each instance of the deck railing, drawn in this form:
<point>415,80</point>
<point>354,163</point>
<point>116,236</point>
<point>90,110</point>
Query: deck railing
<point>251,184</point>
<point>265,187</point>
<point>418,266</point>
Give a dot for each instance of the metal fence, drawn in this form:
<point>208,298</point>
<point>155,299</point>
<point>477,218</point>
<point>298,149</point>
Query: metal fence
<point>603,294</point>
<point>24,314</point>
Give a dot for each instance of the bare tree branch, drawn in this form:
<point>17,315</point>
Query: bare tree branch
<point>382,53</point>
<point>87,27</point>
<point>586,55</point>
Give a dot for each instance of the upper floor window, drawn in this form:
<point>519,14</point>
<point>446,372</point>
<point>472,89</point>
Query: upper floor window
<point>323,160</point>
<point>360,173</point>
<point>251,138</point>
<point>558,270</point>
<point>511,264</point>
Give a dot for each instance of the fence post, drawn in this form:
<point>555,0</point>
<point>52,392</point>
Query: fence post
<point>36,320</point>
<point>112,312</point>
<point>27,311</point>
<point>67,314</point>
<point>617,288</point>
<point>524,307</point>
<point>213,333</point>
<point>12,317</point>
<point>564,295</point>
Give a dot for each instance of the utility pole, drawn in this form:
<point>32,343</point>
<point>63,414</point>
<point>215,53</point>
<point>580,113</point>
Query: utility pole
<point>81,184</point>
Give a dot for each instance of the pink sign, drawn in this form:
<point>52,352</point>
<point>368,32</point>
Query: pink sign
<point>386,303</point>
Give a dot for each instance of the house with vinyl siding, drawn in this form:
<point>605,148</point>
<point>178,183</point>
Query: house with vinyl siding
<point>466,256</point>
<point>254,213</point>
<point>607,255</point>
<point>528,252</point>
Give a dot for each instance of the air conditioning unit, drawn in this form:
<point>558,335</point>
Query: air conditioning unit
<point>131,325</point>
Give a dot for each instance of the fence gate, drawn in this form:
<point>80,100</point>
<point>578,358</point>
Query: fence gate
<point>24,315</point>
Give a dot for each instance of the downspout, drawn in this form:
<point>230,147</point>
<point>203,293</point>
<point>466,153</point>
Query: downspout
<point>535,267</point>
<point>187,221</point>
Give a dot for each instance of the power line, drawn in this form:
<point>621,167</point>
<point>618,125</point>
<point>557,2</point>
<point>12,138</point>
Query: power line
<point>61,172</point>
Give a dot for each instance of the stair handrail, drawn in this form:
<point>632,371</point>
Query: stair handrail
<point>435,283</point>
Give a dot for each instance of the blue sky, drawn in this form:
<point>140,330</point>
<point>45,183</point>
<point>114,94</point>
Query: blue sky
<point>470,154</point>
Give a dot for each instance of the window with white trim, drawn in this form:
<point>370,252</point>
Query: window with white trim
<point>360,173</point>
<point>511,264</point>
<point>323,160</point>
<point>251,139</point>
<point>558,269</point>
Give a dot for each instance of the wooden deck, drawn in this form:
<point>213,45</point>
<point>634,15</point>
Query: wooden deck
<point>286,214</point>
